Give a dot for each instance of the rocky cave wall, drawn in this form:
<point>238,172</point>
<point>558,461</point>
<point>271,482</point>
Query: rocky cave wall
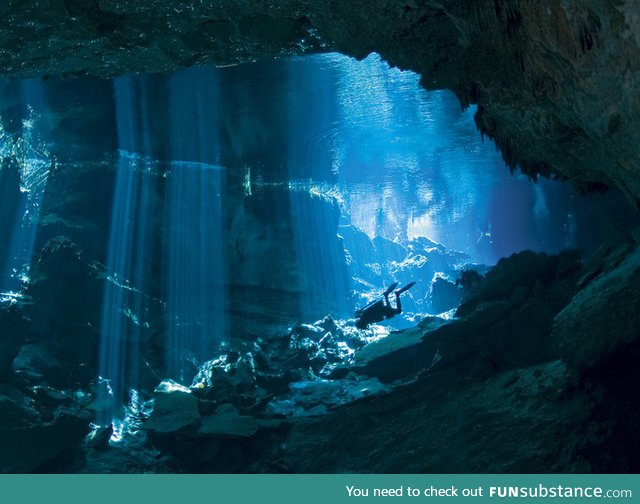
<point>556,83</point>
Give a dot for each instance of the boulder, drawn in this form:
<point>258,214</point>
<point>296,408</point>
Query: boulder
<point>400,354</point>
<point>175,409</point>
<point>506,319</point>
<point>524,269</point>
<point>440,257</point>
<point>229,374</point>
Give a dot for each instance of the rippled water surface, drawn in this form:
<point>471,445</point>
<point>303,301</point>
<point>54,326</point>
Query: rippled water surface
<point>404,162</point>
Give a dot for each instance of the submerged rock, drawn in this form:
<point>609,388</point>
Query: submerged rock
<point>228,422</point>
<point>13,331</point>
<point>506,319</point>
<point>604,316</point>
<point>504,323</point>
<point>230,378</point>
<point>175,409</point>
<point>376,263</point>
<point>98,439</point>
<point>399,355</point>
<point>33,432</point>
<point>444,295</point>
<point>444,423</point>
<point>317,397</point>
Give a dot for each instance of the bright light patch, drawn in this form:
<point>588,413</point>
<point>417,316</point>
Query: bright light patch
<point>128,263</point>
<point>27,155</point>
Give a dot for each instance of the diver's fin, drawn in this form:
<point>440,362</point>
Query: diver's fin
<point>390,289</point>
<point>405,288</point>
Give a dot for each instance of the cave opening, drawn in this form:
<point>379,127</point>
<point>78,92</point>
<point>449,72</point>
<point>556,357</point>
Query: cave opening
<point>186,226</point>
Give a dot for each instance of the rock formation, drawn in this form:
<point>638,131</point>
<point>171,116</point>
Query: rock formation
<point>488,377</point>
<point>556,83</point>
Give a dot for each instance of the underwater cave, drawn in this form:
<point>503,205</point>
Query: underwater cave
<point>203,207</point>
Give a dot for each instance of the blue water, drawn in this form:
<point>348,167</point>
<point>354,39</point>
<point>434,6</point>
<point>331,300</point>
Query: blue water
<point>26,168</point>
<point>224,190</point>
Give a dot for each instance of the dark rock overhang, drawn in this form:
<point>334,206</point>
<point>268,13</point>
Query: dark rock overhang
<point>556,83</point>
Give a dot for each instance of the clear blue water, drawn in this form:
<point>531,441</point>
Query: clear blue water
<point>240,177</point>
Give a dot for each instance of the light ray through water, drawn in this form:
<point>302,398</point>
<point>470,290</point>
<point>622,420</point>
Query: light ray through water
<point>27,158</point>
<point>128,260</point>
<point>187,254</point>
<point>194,266</point>
<point>324,280</point>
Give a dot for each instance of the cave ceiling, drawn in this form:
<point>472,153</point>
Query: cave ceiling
<point>556,83</point>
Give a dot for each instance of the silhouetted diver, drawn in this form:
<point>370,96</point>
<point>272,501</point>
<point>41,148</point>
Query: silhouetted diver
<point>379,310</point>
